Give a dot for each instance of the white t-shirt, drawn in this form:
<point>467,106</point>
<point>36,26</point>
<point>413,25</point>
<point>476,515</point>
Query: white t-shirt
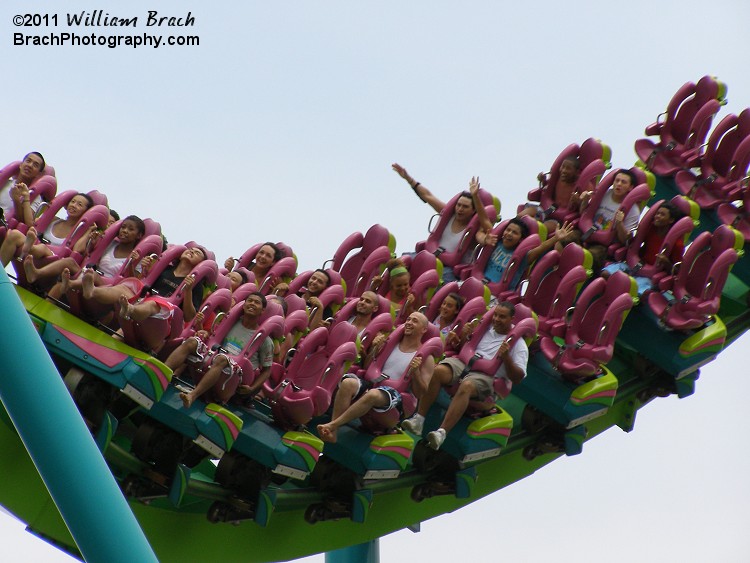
<point>606,212</point>
<point>491,341</point>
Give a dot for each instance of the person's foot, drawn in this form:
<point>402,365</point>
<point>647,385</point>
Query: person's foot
<point>29,242</point>
<point>65,284</point>
<point>327,433</point>
<point>187,399</point>
<point>87,282</point>
<point>415,424</point>
<point>435,439</point>
<point>126,309</point>
<point>29,269</point>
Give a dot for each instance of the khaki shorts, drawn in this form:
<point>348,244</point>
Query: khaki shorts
<point>482,382</point>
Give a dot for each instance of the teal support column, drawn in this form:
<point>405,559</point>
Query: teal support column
<point>363,553</point>
<point>60,445</point>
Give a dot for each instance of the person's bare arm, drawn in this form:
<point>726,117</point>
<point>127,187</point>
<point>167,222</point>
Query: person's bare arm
<point>422,192</point>
<point>22,203</point>
<point>188,307</point>
<point>559,235</point>
<point>377,345</point>
<point>91,235</point>
<point>618,224</point>
<point>422,369</point>
<point>316,319</point>
<point>484,221</point>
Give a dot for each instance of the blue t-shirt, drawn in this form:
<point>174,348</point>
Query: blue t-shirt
<point>498,263</point>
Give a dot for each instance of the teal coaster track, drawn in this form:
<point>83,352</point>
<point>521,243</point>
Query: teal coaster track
<point>365,488</point>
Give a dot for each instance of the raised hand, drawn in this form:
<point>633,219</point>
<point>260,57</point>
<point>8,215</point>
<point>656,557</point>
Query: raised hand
<point>474,185</point>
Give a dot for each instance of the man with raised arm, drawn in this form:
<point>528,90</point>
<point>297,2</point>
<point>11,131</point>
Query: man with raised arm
<point>355,399</point>
<point>466,206</point>
<point>472,384</point>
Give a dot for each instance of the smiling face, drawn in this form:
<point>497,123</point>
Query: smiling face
<point>30,168</point>
<point>264,257</point>
<point>129,232</point>
<point>416,324</point>
<point>448,309</point>
<point>502,320</point>
<point>400,287</point>
<point>512,235</point>
<point>317,283</point>
<point>193,256</point>
<point>77,206</point>
<point>367,304</point>
<point>663,218</point>
<point>253,306</point>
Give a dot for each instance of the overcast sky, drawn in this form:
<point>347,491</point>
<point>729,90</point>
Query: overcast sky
<point>282,125</point>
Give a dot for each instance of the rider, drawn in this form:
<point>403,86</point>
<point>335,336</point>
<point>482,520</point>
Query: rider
<point>354,399</point>
<point>472,384</point>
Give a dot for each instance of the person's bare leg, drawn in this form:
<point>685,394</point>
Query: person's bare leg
<point>347,390</point>
<point>106,295</point>
<point>138,312</point>
<point>29,269</point>
<point>180,354</point>
<point>65,283</point>
<point>374,398</point>
<point>459,404</point>
<point>39,251</point>
<point>13,241</point>
<point>209,380</point>
<point>125,308</point>
<point>55,292</point>
<point>344,395</point>
<point>87,285</point>
<point>29,241</point>
<point>443,375</point>
<point>51,270</point>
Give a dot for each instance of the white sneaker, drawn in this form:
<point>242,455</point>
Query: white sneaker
<point>415,424</point>
<point>435,439</point>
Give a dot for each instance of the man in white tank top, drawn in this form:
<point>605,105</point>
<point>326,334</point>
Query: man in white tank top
<point>354,400</point>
